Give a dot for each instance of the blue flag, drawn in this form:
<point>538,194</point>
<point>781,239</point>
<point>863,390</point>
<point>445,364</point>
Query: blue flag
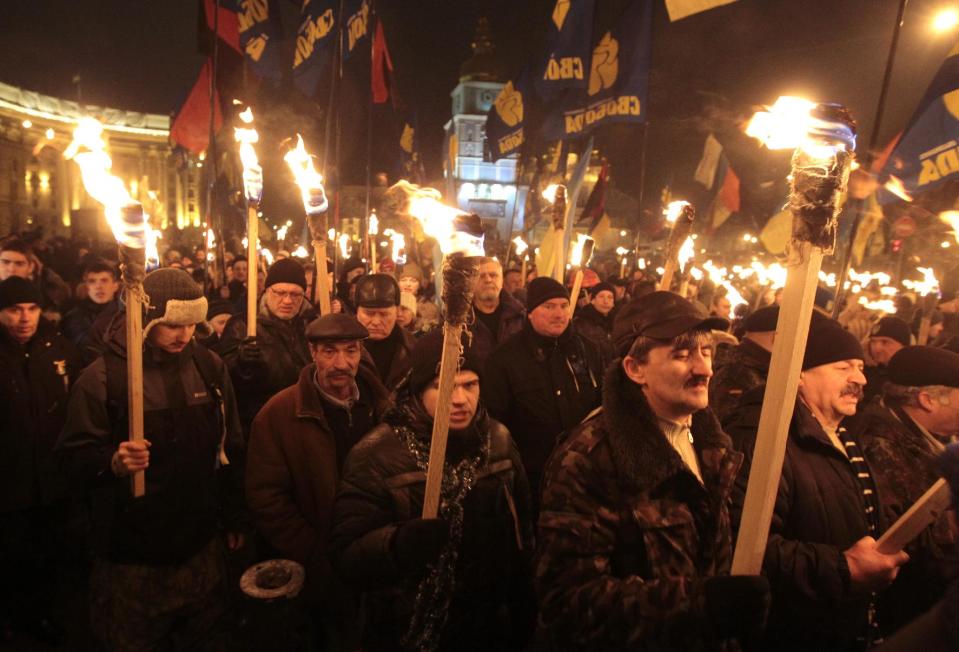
<point>315,46</point>
<point>928,152</point>
<point>506,118</point>
<point>617,81</point>
<point>356,31</point>
<point>566,60</point>
<point>260,35</point>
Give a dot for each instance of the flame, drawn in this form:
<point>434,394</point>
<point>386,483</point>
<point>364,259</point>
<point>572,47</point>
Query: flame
<point>785,126</point>
<point>952,219</point>
<point>267,255</point>
<point>896,187</point>
<point>152,252</point>
<point>773,275</point>
<point>829,279</point>
<point>437,219</point>
<point>283,230</point>
<point>398,242</point>
<point>735,298</point>
<point>210,239</point>
<point>106,188</point>
<point>696,273</point>
<point>641,263</point>
<point>865,278</point>
<point>674,210</point>
<point>928,285</point>
<point>299,252</point>
<point>576,260</point>
<point>344,242</point>
<point>883,305</point>
<point>331,234</point>
<point>622,252</point>
<point>686,253</point>
<point>549,194</point>
<point>374,224</point>
<point>307,178</point>
<point>252,172</point>
<point>520,245</point>
<point>716,274</point>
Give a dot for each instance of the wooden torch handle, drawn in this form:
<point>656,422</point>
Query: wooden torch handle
<point>252,234</point>
<point>441,421</point>
<point>134,334</point>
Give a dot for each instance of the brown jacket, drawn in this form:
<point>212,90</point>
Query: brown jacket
<point>292,474</point>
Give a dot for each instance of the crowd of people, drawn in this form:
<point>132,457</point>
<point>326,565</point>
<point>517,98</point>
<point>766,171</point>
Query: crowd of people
<point>593,485</point>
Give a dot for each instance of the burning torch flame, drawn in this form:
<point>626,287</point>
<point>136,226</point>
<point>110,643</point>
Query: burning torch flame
<point>152,252</point>
<point>107,189</point>
<point>789,124</point>
<point>952,219</point>
<point>896,187</point>
<point>300,252</point>
<point>674,210</point>
<point>344,242</point>
<point>549,194</point>
<point>437,219</point>
<point>520,245</point>
<point>576,260</point>
<point>307,178</point>
<point>398,242</point>
<point>686,253</point>
<point>374,224</point>
<point>252,172</point>
<point>883,305</point>
<point>928,285</point>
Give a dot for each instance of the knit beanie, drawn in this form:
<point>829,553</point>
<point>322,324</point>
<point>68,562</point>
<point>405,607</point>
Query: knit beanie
<point>174,299</point>
<point>411,269</point>
<point>18,290</point>
<point>893,328</point>
<point>219,307</point>
<point>426,355</point>
<point>286,270</point>
<point>541,289</point>
<point>601,287</point>
<point>829,342</point>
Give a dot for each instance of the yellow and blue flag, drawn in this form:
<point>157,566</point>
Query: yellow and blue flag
<point>928,152</point>
<point>315,46</point>
<point>356,27</point>
<point>565,63</point>
<point>260,35</point>
<point>506,119</point>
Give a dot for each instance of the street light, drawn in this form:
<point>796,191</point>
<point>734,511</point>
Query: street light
<point>945,20</point>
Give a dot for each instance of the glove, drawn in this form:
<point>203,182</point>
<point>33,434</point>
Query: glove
<point>419,542</point>
<point>249,354</point>
<point>737,605</point>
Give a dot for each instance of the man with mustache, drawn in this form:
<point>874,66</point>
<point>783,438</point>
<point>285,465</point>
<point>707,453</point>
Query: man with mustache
<point>298,444</point>
<point>544,379</point>
<point>457,582</point>
<point>902,436</point>
<point>159,577</point>
<point>821,558</point>
<point>498,314</point>
<point>634,532</point>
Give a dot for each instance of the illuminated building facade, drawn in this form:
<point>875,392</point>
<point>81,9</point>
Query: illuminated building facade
<point>39,189</point>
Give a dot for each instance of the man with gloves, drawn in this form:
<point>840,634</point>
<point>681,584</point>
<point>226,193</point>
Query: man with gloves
<point>457,582</point>
<point>634,533</point>
<point>159,573</point>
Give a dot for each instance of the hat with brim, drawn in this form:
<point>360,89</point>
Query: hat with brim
<point>662,316</point>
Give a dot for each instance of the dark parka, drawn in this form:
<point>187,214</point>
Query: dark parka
<point>292,473</point>
<point>596,327</point>
<point>539,387</point>
<point>284,351</point>
<point>819,512</point>
<point>35,379</point>
<point>511,318</point>
<point>402,360</point>
<point>190,490</point>
<point>745,367</point>
<point>627,533</point>
<point>903,460</point>
<point>78,323</point>
<point>382,487</point>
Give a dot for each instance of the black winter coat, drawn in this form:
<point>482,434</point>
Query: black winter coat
<point>382,487</point>
<point>539,387</point>
<point>35,379</point>
<point>819,512</point>
<point>77,323</point>
<point>511,318</point>
<point>595,327</point>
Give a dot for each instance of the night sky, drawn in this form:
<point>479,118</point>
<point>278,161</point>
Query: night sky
<point>141,55</point>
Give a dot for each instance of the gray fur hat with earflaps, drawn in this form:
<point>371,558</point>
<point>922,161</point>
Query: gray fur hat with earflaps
<point>174,299</point>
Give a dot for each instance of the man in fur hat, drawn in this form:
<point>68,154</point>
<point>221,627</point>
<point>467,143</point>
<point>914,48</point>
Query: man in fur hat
<point>159,573</point>
<point>634,533</point>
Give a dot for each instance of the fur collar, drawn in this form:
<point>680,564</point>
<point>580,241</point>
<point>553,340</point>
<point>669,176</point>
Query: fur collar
<point>642,454</point>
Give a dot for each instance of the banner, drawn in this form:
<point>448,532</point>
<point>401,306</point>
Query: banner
<point>928,152</point>
<point>356,30</point>
<point>506,118</point>
<point>260,35</point>
<point>617,82</point>
<point>315,46</point>
<point>567,55</point>
<point>679,9</point>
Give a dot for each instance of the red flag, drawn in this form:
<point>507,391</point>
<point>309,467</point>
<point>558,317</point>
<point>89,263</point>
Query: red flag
<point>191,127</point>
<point>382,65</point>
<point>227,25</point>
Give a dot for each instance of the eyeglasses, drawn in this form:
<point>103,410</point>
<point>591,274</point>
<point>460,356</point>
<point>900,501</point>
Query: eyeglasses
<point>283,294</point>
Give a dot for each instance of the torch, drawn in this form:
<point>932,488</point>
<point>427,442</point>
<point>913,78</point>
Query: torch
<point>315,204</point>
<point>521,247</point>
<point>128,223</point>
<point>623,254</point>
<point>582,252</point>
<point>928,289</point>
<point>373,231</point>
<point>681,215</point>
<point>460,237</point>
<point>556,195</point>
<point>253,189</point>
<point>823,137</point>
<point>686,254</point>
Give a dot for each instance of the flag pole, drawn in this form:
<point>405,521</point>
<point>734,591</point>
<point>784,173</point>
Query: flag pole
<point>873,139</point>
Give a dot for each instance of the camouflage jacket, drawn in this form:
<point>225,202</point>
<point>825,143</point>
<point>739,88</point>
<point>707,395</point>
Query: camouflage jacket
<point>628,533</point>
<point>903,461</point>
<point>746,366</point>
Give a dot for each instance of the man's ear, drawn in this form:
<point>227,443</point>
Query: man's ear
<point>926,402</point>
<point>635,371</point>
